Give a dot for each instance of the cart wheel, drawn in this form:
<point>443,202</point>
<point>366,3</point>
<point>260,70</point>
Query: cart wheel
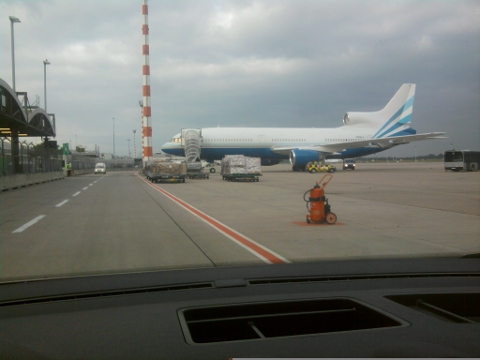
<point>313,171</point>
<point>212,170</point>
<point>308,220</point>
<point>331,218</point>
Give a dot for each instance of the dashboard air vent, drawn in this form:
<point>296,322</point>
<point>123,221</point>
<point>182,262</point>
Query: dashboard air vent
<point>279,319</point>
<point>459,308</point>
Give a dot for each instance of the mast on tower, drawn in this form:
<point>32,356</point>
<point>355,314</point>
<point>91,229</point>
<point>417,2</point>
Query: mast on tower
<point>147,151</point>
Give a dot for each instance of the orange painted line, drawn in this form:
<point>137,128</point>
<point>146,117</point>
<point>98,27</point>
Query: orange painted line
<point>260,251</point>
<point>145,29</point>
<point>304,223</point>
<point>144,9</point>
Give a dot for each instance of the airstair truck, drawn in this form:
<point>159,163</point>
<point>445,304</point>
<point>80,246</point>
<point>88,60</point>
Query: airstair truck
<point>192,142</point>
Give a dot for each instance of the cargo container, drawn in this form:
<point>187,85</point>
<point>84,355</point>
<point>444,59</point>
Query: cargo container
<point>166,171</point>
<point>241,168</point>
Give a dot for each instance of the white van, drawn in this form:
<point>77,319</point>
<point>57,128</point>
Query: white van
<point>100,168</point>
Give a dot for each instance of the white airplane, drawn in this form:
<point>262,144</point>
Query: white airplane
<point>363,133</point>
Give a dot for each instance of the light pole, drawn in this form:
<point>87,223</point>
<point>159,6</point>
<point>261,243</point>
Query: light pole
<point>113,137</point>
<point>134,145</point>
<point>45,63</point>
<point>128,147</point>
<point>13,19</point>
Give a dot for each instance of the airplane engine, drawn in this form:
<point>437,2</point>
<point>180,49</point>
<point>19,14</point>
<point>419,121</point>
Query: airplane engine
<point>300,158</point>
<point>356,118</point>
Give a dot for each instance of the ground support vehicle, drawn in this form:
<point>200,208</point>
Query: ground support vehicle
<point>155,178</point>
<point>241,168</point>
<point>195,171</point>
<point>457,160</point>
<point>314,167</point>
<point>198,175</point>
<point>211,167</point>
<point>349,164</point>
<point>166,171</point>
<point>242,177</point>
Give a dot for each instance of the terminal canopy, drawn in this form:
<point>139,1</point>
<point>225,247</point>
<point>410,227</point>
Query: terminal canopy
<point>17,116</point>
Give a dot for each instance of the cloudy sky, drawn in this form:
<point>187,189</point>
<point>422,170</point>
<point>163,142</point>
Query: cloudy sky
<point>272,63</point>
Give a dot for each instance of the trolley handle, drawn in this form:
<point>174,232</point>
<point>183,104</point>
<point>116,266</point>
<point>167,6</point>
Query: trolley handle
<point>324,184</point>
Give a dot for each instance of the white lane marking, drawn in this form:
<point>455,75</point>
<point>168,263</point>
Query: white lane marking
<point>77,193</point>
<point>85,188</point>
<point>90,185</point>
<point>27,225</point>
<point>62,203</point>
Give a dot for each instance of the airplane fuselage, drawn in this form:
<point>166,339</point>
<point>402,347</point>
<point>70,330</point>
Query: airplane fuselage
<point>262,142</point>
<point>363,133</point>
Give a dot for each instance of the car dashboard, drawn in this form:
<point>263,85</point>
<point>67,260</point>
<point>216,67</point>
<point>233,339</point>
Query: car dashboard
<point>355,308</point>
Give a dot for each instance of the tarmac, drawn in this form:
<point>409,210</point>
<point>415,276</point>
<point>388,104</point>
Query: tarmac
<point>119,222</point>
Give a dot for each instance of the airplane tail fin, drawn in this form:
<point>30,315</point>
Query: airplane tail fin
<point>398,113</point>
<point>393,120</point>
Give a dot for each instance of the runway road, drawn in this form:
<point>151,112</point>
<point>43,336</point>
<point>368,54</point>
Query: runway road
<point>119,222</point>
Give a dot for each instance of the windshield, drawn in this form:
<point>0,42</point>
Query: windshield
<point>453,156</point>
<point>211,120</point>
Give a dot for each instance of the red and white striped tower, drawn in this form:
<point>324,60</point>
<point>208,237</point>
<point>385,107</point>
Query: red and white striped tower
<point>147,110</point>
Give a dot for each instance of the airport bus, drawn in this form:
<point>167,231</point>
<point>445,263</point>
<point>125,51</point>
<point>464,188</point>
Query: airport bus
<point>457,160</point>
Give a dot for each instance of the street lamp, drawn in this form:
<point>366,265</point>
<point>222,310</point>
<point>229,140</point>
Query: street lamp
<point>128,147</point>
<point>134,145</point>
<point>13,19</point>
<point>45,63</point>
<point>113,137</point>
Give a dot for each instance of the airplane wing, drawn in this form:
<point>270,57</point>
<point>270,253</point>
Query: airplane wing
<point>384,142</point>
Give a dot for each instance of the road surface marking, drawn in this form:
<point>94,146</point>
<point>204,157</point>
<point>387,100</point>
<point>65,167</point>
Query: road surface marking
<point>77,193</point>
<point>27,225</point>
<point>85,188</point>
<point>62,203</point>
<point>260,251</point>
<point>90,185</point>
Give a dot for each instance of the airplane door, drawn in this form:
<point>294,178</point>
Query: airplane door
<point>261,139</point>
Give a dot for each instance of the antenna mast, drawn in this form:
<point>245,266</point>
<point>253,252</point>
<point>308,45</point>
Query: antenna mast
<point>147,111</point>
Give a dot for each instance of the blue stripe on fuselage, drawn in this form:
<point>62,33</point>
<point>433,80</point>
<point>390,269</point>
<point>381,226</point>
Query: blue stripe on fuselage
<point>400,111</point>
<point>268,154</point>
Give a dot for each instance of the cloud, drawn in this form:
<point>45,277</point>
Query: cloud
<point>246,62</point>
